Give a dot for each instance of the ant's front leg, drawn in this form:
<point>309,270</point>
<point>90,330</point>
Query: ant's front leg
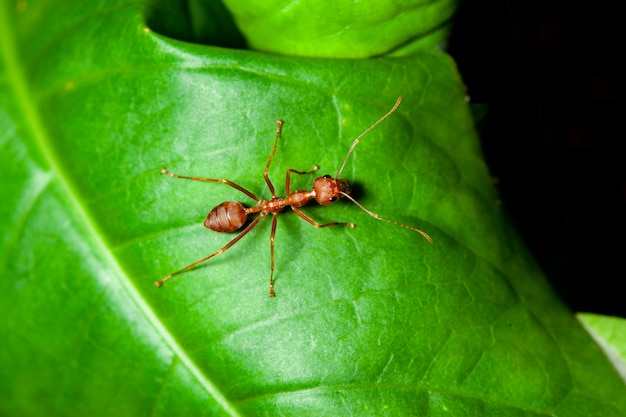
<point>289,171</point>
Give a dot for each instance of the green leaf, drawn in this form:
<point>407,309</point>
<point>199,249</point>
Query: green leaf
<point>367,321</point>
<point>349,29</point>
<point>610,333</point>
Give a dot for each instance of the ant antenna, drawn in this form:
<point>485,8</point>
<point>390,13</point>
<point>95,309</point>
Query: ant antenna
<point>356,141</point>
<point>377,217</point>
<point>371,213</point>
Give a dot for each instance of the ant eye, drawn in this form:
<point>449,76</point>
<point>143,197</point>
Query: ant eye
<point>332,199</point>
<point>326,176</point>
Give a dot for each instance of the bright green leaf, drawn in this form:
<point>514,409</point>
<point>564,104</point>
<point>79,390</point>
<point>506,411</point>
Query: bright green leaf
<point>367,321</point>
<point>610,333</point>
<point>349,29</point>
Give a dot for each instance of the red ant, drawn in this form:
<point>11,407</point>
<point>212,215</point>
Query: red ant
<point>231,215</point>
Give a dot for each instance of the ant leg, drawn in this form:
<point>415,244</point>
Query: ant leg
<point>279,123</point>
<point>224,249</point>
<point>274,221</point>
<point>164,171</point>
<point>316,224</point>
<point>289,171</point>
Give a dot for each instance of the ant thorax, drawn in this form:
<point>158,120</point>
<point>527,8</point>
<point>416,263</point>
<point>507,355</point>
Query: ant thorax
<point>328,189</point>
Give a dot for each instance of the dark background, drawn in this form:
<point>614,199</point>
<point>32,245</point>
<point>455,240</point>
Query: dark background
<point>553,135</point>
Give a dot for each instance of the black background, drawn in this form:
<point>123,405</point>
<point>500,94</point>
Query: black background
<point>553,136</point>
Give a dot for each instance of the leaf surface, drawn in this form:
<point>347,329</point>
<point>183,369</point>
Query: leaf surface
<point>367,321</point>
<point>344,29</point>
<point>610,333</point>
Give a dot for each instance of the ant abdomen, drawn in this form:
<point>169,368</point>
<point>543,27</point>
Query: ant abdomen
<point>227,217</point>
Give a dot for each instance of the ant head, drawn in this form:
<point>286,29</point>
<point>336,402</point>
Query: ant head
<point>328,189</point>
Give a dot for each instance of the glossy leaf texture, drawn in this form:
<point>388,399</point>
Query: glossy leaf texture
<point>610,333</point>
<point>367,321</point>
<point>350,29</point>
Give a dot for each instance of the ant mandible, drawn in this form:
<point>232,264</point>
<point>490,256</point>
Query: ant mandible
<point>232,215</point>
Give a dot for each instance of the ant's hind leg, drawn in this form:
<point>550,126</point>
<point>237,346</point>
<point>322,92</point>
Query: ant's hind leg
<point>219,252</point>
<point>164,171</point>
